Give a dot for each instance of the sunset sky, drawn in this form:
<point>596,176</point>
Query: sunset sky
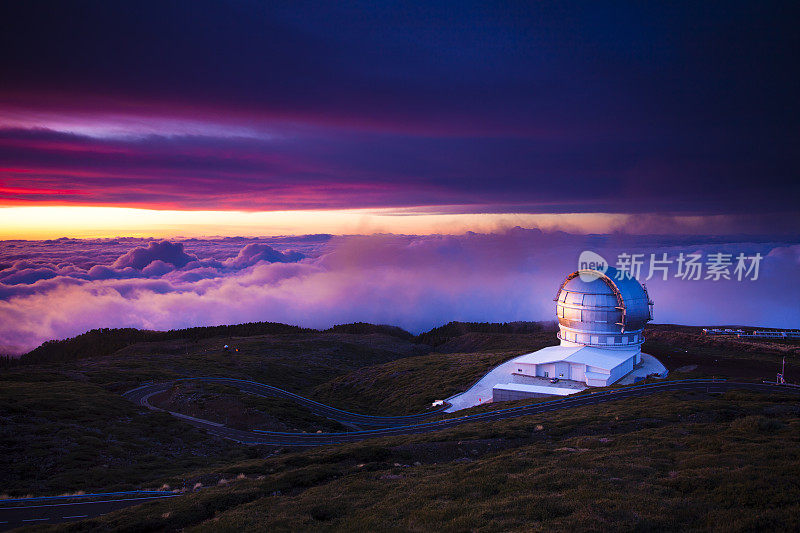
<point>498,109</point>
<point>401,162</point>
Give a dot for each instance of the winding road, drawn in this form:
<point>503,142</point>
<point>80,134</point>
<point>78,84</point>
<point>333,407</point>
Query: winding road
<point>142,394</point>
<point>412,424</point>
<point>56,509</point>
<point>51,510</point>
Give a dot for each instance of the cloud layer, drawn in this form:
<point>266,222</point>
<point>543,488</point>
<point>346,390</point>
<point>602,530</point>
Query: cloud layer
<point>57,289</point>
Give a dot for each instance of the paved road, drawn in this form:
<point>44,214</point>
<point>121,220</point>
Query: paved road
<point>141,394</point>
<point>34,511</point>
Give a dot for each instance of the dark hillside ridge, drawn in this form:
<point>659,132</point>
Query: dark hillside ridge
<point>105,341</point>
<point>365,328</point>
<point>449,338</point>
<point>498,342</point>
<point>443,334</point>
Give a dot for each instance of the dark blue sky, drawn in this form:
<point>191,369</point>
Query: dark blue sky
<point>540,107</point>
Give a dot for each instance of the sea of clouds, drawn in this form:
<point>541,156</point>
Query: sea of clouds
<point>60,288</point>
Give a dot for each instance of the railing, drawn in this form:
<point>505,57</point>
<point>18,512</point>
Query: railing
<point>154,493</point>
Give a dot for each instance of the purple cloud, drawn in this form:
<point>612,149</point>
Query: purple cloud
<point>157,268</point>
<point>256,252</point>
<point>413,281</point>
<point>100,272</point>
<point>27,275</point>
<point>165,251</point>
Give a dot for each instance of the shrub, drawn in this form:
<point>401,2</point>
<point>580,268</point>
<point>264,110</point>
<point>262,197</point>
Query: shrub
<point>756,423</point>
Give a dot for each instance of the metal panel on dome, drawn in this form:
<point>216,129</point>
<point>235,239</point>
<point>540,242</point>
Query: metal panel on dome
<point>573,298</point>
<point>576,284</point>
<point>600,300</point>
<point>602,309</point>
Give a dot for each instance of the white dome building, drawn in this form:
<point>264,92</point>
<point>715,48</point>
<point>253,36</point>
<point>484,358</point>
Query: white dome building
<point>601,317</point>
<point>606,310</point>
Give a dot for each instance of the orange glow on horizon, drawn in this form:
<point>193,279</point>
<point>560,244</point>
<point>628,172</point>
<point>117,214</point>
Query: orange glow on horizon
<point>49,222</point>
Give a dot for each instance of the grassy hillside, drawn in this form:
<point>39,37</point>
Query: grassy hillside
<point>673,462</point>
<point>407,385</point>
<point>680,346</point>
<point>463,355</point>
<point>105,341</point>
<point>228,405</point>
<point>364,328</point>
<point>64,436</point>
<point>65,427</point>
<point>293,361</point>
<point>439,336</point>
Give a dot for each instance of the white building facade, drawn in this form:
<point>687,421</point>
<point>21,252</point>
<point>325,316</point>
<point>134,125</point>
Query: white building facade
<point>593,366</point>
<point>601,317</point>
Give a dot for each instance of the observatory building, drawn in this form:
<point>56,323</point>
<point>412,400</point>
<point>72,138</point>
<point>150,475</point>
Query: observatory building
<point>600,321</point>
<point>601,316</point>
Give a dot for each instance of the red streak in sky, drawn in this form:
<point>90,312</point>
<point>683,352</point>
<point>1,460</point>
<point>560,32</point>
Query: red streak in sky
<point>24,190</point>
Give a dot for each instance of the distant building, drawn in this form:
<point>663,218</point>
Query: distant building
<point>601,317</point>
<point>757,334</point>
<point>720,331</point>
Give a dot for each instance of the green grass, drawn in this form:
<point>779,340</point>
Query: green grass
<point>674,462</point>
<point>230,406</point>
<point>65,436</point>
<point>290,361</point>
<point>65,427</point>
<point>407,385</point>
<point>678,346</point>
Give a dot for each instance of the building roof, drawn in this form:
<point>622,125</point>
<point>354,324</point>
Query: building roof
<point>548,355</point>
<point>539,389</point>
<point>596,357</point>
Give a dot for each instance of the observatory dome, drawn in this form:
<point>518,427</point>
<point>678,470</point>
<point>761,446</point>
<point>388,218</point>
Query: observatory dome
<point>603,309</point>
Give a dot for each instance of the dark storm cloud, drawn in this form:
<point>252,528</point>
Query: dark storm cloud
<point>566,106</point>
